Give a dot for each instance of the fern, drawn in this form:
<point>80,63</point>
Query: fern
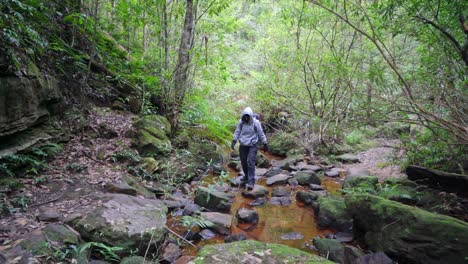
<point>189,222</point>
<point>106,251</point>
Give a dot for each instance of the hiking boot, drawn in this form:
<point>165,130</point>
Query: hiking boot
<point>243,181</point>
<point>250,187</point>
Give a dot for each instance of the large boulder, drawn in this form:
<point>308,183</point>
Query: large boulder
<point>213,200</point>
<point>332,213</point>
<point>408,234</point>
<point>152,135</point>
<point>125,221</point>
<point>281,143</point>
<point>250,251</point>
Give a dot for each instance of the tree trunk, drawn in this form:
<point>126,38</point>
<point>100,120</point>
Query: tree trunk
<point>440,180</point>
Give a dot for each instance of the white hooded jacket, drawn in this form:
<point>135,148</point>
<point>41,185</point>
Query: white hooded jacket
<point>249,133</point>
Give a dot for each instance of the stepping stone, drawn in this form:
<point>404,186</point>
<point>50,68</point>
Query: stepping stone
<point>285,201</point>
<point>307,177</point>
<point>245,215</point>
<point>300,166</point>
<point>170,254</point>
<point>280,192</point>
<point>292,236</point>
<point>335,172</point>
<point>272,172</point>
<point>207,234</point>
<point>316,187</point>
<point>222,222</point>
<point>189,209</point>
<point>256,192</point>
<point>260,172</point>
<point>257,202</point>
<point>278,179</point>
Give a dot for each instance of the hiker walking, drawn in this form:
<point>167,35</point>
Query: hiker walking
<point>249,132</point>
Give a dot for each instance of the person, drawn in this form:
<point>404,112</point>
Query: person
<point>249,132</point>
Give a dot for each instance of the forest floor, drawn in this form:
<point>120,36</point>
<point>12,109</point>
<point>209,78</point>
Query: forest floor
<point>74,178</point>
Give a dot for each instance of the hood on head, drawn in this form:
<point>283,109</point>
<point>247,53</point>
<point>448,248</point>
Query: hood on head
<point>247,111</point>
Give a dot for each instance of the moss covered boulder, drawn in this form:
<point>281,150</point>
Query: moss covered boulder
<point>367,183</point>
<point>307,177</point>
<point>280,144</point>
<point>331,248</point>
<point>125,221</point>
<point>152,135</point>
<point>332,213</point>
<point>408,234</point>
<point>250,251</point>
<point>213,199</point>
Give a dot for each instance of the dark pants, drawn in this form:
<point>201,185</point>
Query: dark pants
<point>248,155</point>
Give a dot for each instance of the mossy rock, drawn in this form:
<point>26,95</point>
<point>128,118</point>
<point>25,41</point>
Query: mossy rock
<point>152,135</point>
<point>365,183</point>
<point>250,251</point>
<point>408,234</point>
<point>281,143</point>
<point>331,248</point>
<point>307,177</point>
<point>213,199</point>
<point>332,213</point>
<point>61,234</point>
<point>36,242</point>
<point>262,161</point>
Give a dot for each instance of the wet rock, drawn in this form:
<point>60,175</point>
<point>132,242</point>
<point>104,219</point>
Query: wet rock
<point>152,135</point>
<point>285,201</point>
<point>213,200</point>
<point>280,192</point>
<point>344,237</point>
<point>300,166</point>
<point>306,197</point>
<point>292,236</point>
<point>260,172</point>
<point>348,158</point>
<point>307,177</point>
<point>206,234</point>
<point>191,208</point>
<point>234,238</point>
<point>245,215</point>
<point>251,251</point>
<point>278,179</point>
<point>170,254</point>
<point>376,258</point>
<point>171,205</point>
<point>222,222</point>
<point>410,234</point>
<point>316,187</point>
<point>287,163</point>
<point>351,254</point>
<point>122,188</point>
<point>273,171</point>
<point>239,181</point>
<point>257,202</point>
<point>332,213</point>
<point>256,192</point>
<point>125,221</point>
<point>49,216</point>
<point>331,248</point>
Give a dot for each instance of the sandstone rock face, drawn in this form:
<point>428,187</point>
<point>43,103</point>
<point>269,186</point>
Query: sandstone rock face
<point>125,221</point>
<point>24,101</point>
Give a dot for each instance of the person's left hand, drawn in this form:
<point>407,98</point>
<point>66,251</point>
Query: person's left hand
<point>233,144</point>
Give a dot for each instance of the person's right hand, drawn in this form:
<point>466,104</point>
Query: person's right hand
<point>233,144</point>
